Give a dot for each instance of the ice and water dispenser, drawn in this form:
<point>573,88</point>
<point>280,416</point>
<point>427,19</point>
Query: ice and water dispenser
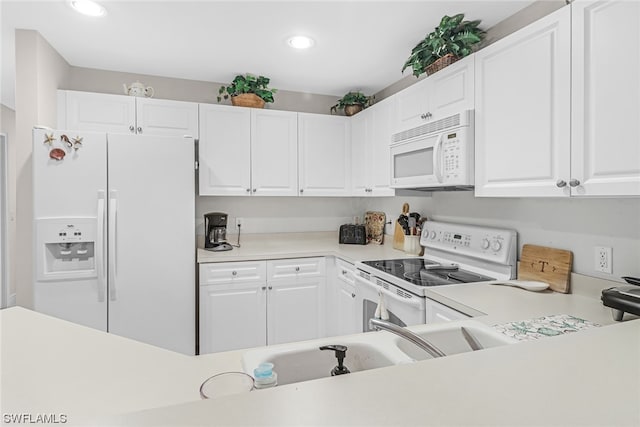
<point>66,248</point>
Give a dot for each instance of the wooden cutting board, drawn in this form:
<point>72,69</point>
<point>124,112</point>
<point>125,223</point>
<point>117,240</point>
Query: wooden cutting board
<point>549,265</point>
<point>398,232</point>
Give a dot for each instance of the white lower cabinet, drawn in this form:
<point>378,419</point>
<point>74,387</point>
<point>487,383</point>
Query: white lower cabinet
<point>345,313</point>
<point>255,303</point>
<point>440,313</point>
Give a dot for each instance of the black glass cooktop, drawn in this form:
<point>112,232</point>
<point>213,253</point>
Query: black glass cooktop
<point>421,272</point>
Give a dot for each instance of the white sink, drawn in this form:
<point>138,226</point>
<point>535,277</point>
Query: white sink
<point>448,337</point>
<point>305,361</point>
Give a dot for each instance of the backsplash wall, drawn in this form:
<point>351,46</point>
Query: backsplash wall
<point>575,224</point>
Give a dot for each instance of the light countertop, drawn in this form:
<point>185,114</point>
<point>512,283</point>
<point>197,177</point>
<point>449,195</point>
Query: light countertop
<point>588,377</point>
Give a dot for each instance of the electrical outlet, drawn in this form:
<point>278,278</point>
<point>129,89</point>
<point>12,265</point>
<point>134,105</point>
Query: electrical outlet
<point>239,222</point>
<point>603,259</point>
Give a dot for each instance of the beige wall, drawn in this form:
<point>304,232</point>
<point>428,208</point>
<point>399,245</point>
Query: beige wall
<point>8,127</point>
<point>102,81</point>
<point>40,70</point>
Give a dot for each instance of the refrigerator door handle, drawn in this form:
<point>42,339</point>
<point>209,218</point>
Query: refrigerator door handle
<point>113,222</point>
<point>99,250</point>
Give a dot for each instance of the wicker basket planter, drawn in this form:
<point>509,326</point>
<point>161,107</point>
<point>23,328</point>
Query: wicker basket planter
<point>441,63</point>
<point>247,100</point>
<point>350,110</point>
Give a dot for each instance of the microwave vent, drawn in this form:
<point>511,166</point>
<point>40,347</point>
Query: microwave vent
<point>431,127</point>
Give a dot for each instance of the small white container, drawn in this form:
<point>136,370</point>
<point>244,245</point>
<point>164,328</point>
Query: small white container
<point>412,245</point>
<point>265,377</point>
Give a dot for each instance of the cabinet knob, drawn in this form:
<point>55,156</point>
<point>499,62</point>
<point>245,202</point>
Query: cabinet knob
<point>344,272</point>
<point>574,182</point>
<point>561,183</point>
<point>139,129</point>
<point>297,269</point>
<point>254,190</point>
<point>234,273</point>
<point>301,190</point>
<point>248,190</point>
<point>132,128</point>
<point>264,288</point>
<point>270,287</point>
<point>423,116</point>
<point>353,295</point>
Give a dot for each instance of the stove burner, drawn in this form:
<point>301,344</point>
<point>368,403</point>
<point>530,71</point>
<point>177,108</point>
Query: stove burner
<point>387,265</point>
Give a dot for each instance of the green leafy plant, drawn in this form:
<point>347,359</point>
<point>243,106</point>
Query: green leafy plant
<point>248,83</point>
<point>453,36</point>
<point>352,98</point>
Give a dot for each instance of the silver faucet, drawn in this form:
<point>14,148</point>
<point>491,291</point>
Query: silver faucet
<point>379,324</point>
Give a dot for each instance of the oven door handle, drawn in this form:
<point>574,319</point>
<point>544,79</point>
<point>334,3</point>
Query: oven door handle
<point>413,302</point>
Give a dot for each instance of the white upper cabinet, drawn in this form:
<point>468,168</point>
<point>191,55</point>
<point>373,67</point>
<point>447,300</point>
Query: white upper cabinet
<point>247,151</point>
<point>370,156</point>
<point>224,151</point>
<point>126,114</point>
<point>522,111</point>
<point>96,111</point>
<point>324,155</point>
<point>274,153</point>
<point>167,118</point>
<point>605,149</point>
<point>446,92</point>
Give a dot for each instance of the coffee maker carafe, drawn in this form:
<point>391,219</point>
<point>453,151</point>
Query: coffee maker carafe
<point>215,229</point>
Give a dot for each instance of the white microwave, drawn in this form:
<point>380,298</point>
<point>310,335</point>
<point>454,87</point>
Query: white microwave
<point>435,155</point>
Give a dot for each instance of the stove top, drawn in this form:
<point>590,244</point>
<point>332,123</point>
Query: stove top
<point>423,272</point>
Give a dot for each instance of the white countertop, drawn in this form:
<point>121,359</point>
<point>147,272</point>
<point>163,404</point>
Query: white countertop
<point>589,377</point>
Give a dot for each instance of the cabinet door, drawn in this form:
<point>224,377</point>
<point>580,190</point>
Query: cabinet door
<point>412,106</point>
<point>295,310</point>
<point>167,118</point>
<point>347,314</point>
<point>98,112</point>
<point>381,119</point>
<point>324,144</point>
<point>522,143</point>
<point>361,153</point>
<point>224,151</point>
<point>605,150</point>
<point>274,153</point>
<point>451,89</point>
<point>232,316</point>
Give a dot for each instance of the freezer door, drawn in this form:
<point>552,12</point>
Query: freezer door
<point>69,211</point>
<point>151,225</point>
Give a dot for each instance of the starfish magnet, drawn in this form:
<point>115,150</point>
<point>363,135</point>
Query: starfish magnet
<point>77,142</point>
<point>48,139</point>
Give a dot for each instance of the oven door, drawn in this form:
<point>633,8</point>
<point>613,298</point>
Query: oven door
<point>404,308</point>
<point>417,162</point>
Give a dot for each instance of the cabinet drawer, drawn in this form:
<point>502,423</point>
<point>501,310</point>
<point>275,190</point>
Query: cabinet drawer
<point>232,272</point>
<point>295,267</point>
<point>345,271</point>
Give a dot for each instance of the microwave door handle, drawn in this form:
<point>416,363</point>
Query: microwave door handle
<point>437,158</point>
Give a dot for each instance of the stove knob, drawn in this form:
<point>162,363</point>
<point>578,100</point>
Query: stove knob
<point>432,235</point>
<point>485,243</point>
<point>496,245</point>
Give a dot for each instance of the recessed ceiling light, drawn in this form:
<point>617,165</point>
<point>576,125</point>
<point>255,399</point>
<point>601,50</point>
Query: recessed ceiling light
<point>88,7</point>
<point>300,42</point>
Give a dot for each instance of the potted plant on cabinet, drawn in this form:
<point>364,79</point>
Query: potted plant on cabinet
<point>248,91</point>
<point>451,40</point>
<point>352,103</point>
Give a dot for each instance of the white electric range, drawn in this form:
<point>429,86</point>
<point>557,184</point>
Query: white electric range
<point>453,254</point>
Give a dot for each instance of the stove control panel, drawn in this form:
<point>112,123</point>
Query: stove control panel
<point>486,243</point>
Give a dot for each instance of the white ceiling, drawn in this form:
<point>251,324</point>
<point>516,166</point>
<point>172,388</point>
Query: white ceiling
<point>360,45</point>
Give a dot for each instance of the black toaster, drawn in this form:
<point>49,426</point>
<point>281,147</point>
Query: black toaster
<point>623,299</point>
<point>353,234</point>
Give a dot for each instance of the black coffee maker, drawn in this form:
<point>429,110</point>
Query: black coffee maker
<point>215,232</point>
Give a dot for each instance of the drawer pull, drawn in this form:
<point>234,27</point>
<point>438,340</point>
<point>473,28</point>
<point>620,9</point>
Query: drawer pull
<point>297,269</point>
<point>353,295</point>
<point>234,273</point>
<point>344,272</point>
<point>270,287</point>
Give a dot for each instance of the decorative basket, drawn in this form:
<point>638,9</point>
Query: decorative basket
<point>247,100</point>
<point>350,110</point>
<point>441,63</point>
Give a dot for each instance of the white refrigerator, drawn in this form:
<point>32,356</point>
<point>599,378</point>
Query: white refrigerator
<point>114,234</point>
